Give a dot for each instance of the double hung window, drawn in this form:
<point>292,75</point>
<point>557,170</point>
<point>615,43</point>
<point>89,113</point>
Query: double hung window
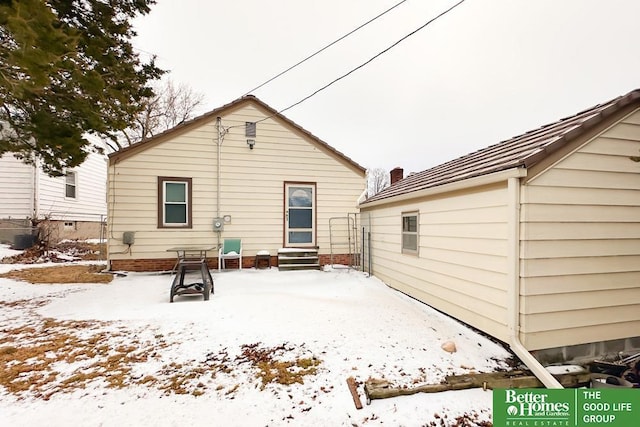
<point>174,202</point>
<point>70,185</point>
<point>410,232</point>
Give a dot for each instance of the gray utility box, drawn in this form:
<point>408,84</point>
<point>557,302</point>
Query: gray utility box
<point>129,237</point>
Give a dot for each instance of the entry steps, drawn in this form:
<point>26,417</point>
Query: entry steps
<point>298,259</point>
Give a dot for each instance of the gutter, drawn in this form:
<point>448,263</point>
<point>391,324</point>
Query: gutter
<point>513,289</point>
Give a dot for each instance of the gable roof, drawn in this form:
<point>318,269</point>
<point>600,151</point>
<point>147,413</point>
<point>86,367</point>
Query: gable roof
<point>211,115</point>
<point>522,151</point>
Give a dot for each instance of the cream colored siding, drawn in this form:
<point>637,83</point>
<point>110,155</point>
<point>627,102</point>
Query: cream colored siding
<point>251,187</point>
<point>461,267</point>
<point>580,245</point>
<point>16,182</point>
<point>585,334</point>
<point>135,191</point>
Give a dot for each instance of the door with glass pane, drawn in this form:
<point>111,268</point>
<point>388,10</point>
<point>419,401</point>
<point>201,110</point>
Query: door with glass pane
<point>300,214</point>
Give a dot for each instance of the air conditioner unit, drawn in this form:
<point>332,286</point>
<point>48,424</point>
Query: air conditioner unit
<point>218,224</point>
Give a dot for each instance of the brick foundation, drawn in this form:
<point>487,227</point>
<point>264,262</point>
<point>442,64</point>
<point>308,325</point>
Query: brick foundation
<point>165,264</point>
<point>158,264</point>
<point>341,259</point>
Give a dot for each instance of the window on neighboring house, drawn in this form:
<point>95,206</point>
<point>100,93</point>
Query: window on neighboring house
<point>410,232</point>
<point>250,129</point>
<point>174,202</point>
<point>70,185</point>
<point>69,225</point>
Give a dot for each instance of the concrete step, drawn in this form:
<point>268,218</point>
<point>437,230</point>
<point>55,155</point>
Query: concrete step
<point>298,259</point>
<point>292,267</point>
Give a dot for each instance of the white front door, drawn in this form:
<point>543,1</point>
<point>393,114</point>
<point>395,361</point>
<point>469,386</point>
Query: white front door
<point>300,215</point>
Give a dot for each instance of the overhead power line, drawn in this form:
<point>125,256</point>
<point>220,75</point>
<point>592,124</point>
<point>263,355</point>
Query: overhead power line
<point>371,59</point>
<point>324,48</point>
<point>440,15</point>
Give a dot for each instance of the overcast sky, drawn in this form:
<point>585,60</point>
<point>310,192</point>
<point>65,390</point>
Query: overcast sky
<point>487,71</point>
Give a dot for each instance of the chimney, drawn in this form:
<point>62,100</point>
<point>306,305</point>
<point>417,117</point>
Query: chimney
<point>396,175</point>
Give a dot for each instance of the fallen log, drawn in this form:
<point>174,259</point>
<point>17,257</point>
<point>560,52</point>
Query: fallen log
<point>382,389</point>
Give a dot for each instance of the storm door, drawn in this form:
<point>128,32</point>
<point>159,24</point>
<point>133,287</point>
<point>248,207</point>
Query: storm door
<point>300,215</point>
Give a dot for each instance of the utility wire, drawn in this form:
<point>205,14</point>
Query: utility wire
<point>370,60</point>
<point>324,48</point>
<point>440,15</point>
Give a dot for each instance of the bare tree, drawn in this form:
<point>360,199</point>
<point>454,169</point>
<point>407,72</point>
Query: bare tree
<point>377,180</point>
<point>171,105</point>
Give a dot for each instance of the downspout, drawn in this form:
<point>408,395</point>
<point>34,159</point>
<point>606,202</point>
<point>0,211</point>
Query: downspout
<point>513,289</point>
<point>36,190</point>
<point>218,185</point>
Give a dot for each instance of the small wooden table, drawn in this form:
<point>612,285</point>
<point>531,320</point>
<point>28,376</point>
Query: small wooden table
<point>191,258</point>
<point>262,257</point>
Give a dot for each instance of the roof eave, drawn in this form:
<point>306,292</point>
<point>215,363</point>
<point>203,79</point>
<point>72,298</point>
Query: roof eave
<point>587,125</point>
<point>477,181</point>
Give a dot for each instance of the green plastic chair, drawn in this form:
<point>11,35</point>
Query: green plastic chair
<point>231,249</point>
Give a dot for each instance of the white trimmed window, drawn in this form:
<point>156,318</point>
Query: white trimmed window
<point>70,185</point>
<point>174,207</point>
<point>410,232</point>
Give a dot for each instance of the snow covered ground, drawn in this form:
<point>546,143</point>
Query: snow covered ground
<point>196,362</point>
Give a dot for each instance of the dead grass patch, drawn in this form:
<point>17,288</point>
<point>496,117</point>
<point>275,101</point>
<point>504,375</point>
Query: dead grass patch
<point>24,303</point>
<point>180,379</point>
<point>31,357</point>
<point>271,367</point>
<point>63,274</point>
<point>42,356</point>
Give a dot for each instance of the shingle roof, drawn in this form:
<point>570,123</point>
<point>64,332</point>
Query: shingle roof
<point>128,151</point>
<point>521,151</point>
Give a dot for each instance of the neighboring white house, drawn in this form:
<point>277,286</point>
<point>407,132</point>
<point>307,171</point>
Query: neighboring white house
<point>74,205</point>
<point>256,174</point>
<point>534,240</point>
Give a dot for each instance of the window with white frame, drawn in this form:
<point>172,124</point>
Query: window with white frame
<point>410,232</point>
<point>174,202</point>
<point>70,185</point>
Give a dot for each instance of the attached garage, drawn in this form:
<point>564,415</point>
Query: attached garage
<point>534,240</point>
